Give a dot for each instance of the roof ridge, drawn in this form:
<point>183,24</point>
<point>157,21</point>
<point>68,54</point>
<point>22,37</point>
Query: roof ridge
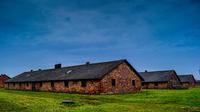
<point>4,75</point>
<point>77,65</point>
<point>186,75</point>
<point>84,71</point>
<point>158,71</point>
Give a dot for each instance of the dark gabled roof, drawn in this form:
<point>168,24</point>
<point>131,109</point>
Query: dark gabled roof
<point>157,76</point>
<point>187,78</point>
<point>78,72</point>
<point>5,76</point>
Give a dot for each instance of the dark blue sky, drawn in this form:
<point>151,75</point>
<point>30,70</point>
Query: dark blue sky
<point>151,34</point>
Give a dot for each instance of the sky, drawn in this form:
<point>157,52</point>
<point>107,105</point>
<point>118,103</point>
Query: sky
<point>150,34</point>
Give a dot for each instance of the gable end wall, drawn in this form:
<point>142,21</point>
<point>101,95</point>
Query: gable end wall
<point>174,81</point>
<point>2,80</point>
<point>123,76</point>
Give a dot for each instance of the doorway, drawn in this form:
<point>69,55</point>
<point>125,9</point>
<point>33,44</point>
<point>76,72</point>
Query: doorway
<point>33,86</point>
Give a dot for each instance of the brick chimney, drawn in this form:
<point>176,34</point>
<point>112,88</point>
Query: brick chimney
<point>87,63</point>
<point>58,66</point>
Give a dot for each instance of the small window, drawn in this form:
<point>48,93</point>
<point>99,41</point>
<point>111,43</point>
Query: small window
<point>52,84</point>
<point>133,82</point>
<point>69,71</point>
<point>20,84</point>
<point>66,83</point>
<point>156,84</point>
<point>142,83</point>
<point>113,82</point>
<point>27,84</point>
<point>14,84</point>
<point>83,83</point>
<point>40,84</point>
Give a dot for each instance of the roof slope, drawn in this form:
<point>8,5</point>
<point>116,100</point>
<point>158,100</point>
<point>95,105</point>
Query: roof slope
<point>157,76</point>
<point>4,76</point>
<point>187,78</point>
<point>78,72</point>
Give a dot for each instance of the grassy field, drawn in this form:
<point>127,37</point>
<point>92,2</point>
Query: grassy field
<point>146,101</point>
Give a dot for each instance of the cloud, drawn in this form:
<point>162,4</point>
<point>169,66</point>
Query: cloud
<point>152,32</point>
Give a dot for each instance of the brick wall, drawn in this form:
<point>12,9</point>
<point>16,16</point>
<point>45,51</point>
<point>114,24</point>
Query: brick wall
<point>197,83</point>
<point>159,85</point>
<point>193,84</point>
<point>1,84</point>
<point>92,86</point>
<point>188,84</point>
<point>73,87</point>
<point>174,81</point>
<point>123,76</point>
<point>185,85</point>
<point>2,80</point>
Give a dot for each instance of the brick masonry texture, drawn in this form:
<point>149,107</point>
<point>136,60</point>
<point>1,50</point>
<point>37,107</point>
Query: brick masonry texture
<point>122,74</point>
<point>2,80</point>
<point>160,85</point>
<point>188,84</point>
<point>74,87</point>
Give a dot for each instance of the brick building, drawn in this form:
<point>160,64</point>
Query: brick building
<point>160,80</point>
<point>187,80</point>
<point>3,78</point>
<point>198,83</point>
<point>92,78</point>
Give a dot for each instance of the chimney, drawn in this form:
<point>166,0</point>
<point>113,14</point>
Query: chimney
<point>87,63</point>
<point>31,70</point>
<point>57,66</point>
<point>146,71</point>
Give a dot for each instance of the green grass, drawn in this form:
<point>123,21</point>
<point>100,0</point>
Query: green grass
<point>146,101</point>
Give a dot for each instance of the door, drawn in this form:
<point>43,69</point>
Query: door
<point>123,84</point>
<point>33,86</point>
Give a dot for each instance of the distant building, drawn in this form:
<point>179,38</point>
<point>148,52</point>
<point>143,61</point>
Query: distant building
<point>92,78</point>
<point>167,79</point>
<point>198,82</point>
<point>187,80</point>
<point>3,78</point>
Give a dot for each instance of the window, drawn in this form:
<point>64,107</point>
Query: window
<point>142,83</point>
<point>52,84</point>
<point>113,82</point>
<point>40,84</point>
<point>156,84</point>
<point>27,84</point>
<point>69,71</point>
<point>66,83</point>
<point>14,84</point>
<point>20,84</point>
<point>83,83</point>
<point>133,82</point>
